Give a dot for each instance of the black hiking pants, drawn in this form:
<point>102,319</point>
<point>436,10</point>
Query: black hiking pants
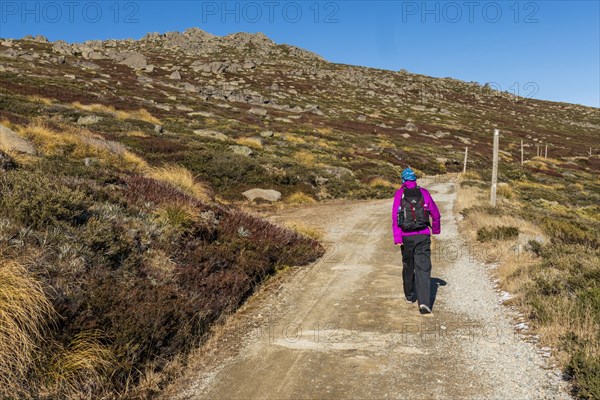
<point>416,271</point>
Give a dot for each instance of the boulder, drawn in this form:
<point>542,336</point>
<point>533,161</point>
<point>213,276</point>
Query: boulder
<point>258,111</point>
<point>135,61</point>
<point>241,150</point>
<point>10,141</point>
<point>176,75</point>
<point>264,194</point>
<point>411,127</point>
<point>266,134</point>
<point>211,134</point>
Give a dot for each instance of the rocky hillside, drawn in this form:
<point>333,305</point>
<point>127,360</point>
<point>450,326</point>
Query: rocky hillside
<point>122,163</point>
<point>243,112</point>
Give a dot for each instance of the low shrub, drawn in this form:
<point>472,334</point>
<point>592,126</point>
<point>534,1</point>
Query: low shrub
<point>38,201</point>
<point>486,234</point>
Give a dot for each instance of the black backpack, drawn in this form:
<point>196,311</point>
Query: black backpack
<point>412,214</point>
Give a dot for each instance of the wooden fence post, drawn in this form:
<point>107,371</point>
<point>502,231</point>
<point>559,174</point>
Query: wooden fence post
<point>495,166</point>
<point>466,155</point>
<point>521,152</point>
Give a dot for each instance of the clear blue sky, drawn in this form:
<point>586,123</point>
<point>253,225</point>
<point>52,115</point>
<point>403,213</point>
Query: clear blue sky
<point>544,49</point>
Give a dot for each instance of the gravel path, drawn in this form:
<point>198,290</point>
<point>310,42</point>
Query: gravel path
<point>341,329</point>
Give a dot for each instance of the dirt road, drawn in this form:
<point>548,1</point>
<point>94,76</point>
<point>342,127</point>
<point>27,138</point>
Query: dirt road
<point>342,330</point>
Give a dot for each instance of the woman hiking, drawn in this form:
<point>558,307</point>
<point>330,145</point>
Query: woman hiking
<point>415,217</point>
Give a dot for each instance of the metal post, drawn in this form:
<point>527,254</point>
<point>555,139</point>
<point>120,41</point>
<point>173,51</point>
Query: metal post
<point>466,155</point>
<point>495,166</point>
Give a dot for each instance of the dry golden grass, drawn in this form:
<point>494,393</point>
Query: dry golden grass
<point>24,313</point>
<point>255,143</point>
<point>141,114</point>
<point>504,190</point>
<point>325,131</point>
<point>181,178</point>
<point>304,229</point>
<point>80,143</point>
<point>294,138</point>
<point>471,175</point>
<point>300,198</point>
<point>83,363</point>
<point>305,157</point>
<point>517,274</point>
<point>137,134</point>
<point>39,99</point>
<point>382,182</point>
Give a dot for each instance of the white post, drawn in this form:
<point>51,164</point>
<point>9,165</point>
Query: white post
<point>521,152</point>
<point>466,155</point>
<point>546,153</point>
<point>495,166</point>
<point>537,154</point>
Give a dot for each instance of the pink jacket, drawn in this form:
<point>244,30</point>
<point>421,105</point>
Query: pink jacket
<point>434,213</point>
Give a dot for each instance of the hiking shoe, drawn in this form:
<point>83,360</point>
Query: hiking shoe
<point>409,301</point>
<point>424,309</point>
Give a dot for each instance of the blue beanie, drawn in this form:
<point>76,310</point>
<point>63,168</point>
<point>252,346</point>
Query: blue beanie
<point>408,175</point>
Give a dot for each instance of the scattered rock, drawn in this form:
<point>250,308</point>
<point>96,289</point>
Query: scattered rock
<point>158,129</point>
<point>362,118</point>
<point>176,75</point>
<point>258,111</point>
<point>411,127</point>
<point>204,114</point>
<point>405,135</point>
<point>264,194</point>
<point>10,141</point>
<point>211,134</point>
<point>266,134</point>
<point>242,150</point>
<point>188,87</point>
<point>338,172</point>
<point>88,120</point>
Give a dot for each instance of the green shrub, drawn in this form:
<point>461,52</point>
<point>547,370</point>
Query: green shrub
<point>37,201</point>
<point>486,234</point>
<point>586,370</point>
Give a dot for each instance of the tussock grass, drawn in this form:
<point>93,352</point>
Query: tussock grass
<point>305,230</point>
<point>252,142</point>
<point>84,362</point>
<point>300,198</point>
<point>39,99</point>
<point>305,158</point>
<point>80,143</point>
<point>294,138</point>
<point>382,182</point>
<point>181,178</point>
<point>141,114</point>
<point>24,313</point>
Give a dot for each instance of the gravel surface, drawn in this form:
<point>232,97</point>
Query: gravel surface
<point>340,329</point>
